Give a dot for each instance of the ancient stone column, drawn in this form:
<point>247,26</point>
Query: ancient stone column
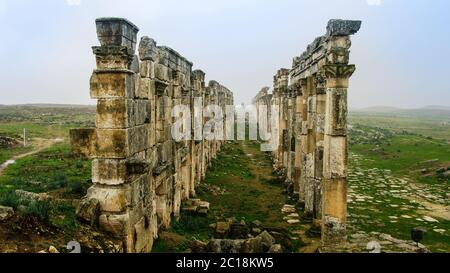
<point>319,76</point>
<point>319,81</point>
<point>310,149</point>
<point>299,190</point>
<point>121,184</point>
<point>337,73</point>
<point>302,150</point>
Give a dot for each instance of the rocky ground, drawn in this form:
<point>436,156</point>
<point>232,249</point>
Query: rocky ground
<point>29,235</point>
<point>384,209</point>
<point>249,210</point>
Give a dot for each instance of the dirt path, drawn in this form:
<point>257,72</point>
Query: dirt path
<point>38,144</point>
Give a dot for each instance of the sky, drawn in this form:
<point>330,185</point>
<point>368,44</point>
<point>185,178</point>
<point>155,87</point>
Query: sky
<point>401,52</point>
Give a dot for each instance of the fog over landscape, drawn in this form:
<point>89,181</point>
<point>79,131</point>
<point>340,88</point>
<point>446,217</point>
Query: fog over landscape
<point>399,52</point>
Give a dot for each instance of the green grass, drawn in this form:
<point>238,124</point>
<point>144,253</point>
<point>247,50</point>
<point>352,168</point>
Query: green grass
<point>231,162</point>
<point>52,169</point>
<point>35,130</point>
<point>248,196</point>
<point>428,126</point>
<point>47,114</point>
<point>7,153</point>
<point>401,153</point>
<point>405,153</point>
<point>61,215</point>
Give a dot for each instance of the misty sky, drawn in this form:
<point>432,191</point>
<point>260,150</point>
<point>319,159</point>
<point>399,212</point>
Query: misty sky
<point>401,52</point>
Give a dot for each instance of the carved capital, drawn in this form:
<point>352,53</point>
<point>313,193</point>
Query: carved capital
<point>321,82</point>
<point>337,75</point>
<point>113,57</point>
<point>339,71</point>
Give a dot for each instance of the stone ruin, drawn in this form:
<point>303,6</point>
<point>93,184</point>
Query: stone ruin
<point>313,152</point>
<point>140,174</point>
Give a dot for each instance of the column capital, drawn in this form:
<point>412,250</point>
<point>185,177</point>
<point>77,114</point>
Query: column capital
<point>321,82</point>
<point>337,75</point>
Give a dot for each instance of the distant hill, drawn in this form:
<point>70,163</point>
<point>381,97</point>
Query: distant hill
<point>437,107</point>
<point>378,109</point>
<point>44,105</point>
<point>429,111</point>
<point>48,113</point>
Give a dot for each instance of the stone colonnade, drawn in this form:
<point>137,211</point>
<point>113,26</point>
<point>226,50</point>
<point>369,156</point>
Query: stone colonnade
<point>140,174</point>
<point>313,152</point>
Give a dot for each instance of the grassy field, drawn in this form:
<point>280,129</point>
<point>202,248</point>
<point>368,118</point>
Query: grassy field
<point>427,125</point>
<point>40,122</point>
<point>48,165</point>
<point>399,177</point>
<point>47,114</point>
<point>35,130</point>
<point>55,171</point>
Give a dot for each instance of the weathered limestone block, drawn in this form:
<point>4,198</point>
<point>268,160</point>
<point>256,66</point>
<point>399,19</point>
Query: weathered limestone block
<point>318,184</point>
<point>335,157</point>
<point>309,196</point>
<point>147,69</point>
<point>141,112</point>
<point>162,72</point>
<point>116,32</point>
<point>112,84</point>
<point>334,210</point>
<point>109,171</point>
<point>6,213</point>
<point>318,164</point>
<point>115,114</point>
<point>338,27</point>
<point>112,199</point>
<point>119,199</point>
<point>164,184</point>
<point>83,142</point>
<point>148,88</point>
<point>163,210</point>
<point>88,211</point>
<point>114,143</point>
<point>148,50</point>
<point>336,113</point>
<point>142,191</point>
<point>176,195</point>
<point>116,224</point>
<point>143,236</point>
<point>121,143</point>
<point>135,65</point>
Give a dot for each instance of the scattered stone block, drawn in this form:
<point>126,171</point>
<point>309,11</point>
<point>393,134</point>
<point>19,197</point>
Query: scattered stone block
<point>6,213</point>
<point>88,211</point>
<point>222,230</point>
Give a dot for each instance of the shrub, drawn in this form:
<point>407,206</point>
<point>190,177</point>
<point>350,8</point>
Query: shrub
<point>40,210</point>
<point>9,199</point>
<point>77,188</point>
<point>59,182</point>
<point>79,164</point>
